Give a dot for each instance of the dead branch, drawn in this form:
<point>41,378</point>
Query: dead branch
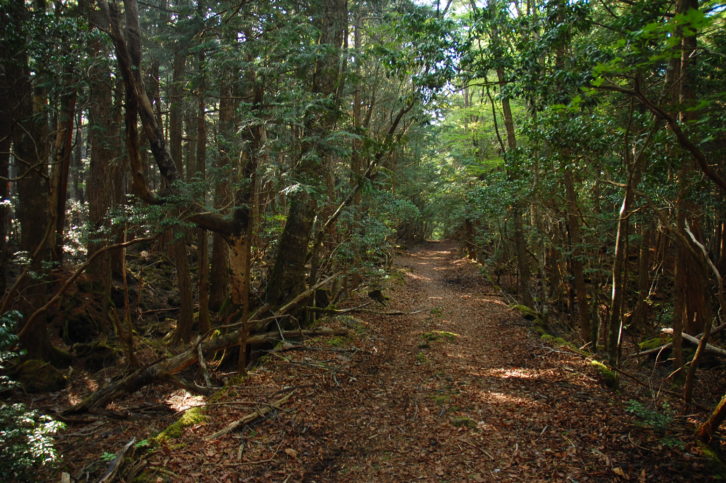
<point>635,379</point>
<point>59,293</point>
<point>705,431</point>
<point>116,463</point>
<point>669,344</point>
<point>261,323</point>
<point>164,369</point>
<point>696,341</point>
<point>251,417</point>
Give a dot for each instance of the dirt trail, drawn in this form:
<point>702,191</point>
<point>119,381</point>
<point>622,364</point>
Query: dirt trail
<point>481,400</point>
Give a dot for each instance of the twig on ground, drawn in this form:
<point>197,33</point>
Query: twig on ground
<point>259,413</point>
<point>366,311</point>
<point>116,463</point>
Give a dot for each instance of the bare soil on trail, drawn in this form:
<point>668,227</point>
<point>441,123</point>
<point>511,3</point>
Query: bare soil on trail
<point>459,388</point>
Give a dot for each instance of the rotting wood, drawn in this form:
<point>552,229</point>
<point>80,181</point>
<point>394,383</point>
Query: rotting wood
<point>251,417</point>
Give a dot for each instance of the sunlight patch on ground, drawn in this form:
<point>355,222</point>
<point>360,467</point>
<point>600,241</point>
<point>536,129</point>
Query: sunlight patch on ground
<point>417,277</point>
<point>504,398</point>
<point>519,373</point>
<point>485,300</point>
<point>182,400</point>
<point>74,397</point>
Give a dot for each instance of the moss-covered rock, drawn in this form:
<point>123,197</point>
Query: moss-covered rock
<point>189,418</point>
<point>39,376</point>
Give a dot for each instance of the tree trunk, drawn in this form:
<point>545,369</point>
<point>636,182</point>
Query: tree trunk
<point>185,318</point>
<point>287,277</point>
<point>288,273</point>
<point>219,279</point>
<point>201,171</point>
<point>576,264</point>
<point>520,243</point>
<point>705,431</point>
<point>104,139</point>
<point>62,153</point>
<point>31,150</point>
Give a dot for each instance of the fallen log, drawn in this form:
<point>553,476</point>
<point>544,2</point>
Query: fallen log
<point>166,368</point>
<point>170,366</point>
<point>667,345</point>
<point>694,340</point>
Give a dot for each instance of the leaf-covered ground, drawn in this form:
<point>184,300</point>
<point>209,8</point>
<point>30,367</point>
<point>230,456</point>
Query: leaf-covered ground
<point>459,390</point>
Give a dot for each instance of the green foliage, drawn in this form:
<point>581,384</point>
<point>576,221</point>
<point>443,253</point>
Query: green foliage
<point>659,420</point>
<point>107,457</point>
<point>25,435</point>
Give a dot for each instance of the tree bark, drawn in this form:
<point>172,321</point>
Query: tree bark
<point>62,153</point>
<point>288,273</point>
<point>705,431</point>
<point>105,144</point>
<point>201,172</point>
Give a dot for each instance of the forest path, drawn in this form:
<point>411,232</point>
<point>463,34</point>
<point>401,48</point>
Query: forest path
<point>485,400</point>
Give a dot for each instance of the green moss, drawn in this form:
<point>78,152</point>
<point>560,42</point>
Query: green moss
<point>421,358</point>
<point>554,340</point>
<point>608,376</point>
<point>235,380</point>
<point>527,312</point>
<point>441,399</point>
<point>437,311</point>
<point>463,421</point>
<point>653,343</point>
<point>338,341</point>
<point>716,464</point>
<point>189,418</point>
<point>358,326</point>
<point>439,335</point>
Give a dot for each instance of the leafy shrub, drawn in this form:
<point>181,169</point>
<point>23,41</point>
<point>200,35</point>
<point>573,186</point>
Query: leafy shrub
<point>658,420</point>
<point>25,435</point>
